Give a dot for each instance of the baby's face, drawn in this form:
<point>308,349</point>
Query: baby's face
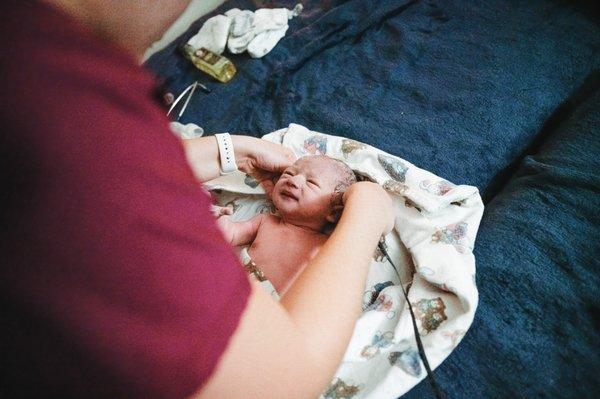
<point>305,190</point>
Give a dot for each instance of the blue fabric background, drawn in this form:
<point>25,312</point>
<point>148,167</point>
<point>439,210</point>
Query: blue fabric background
<point>496,94</point>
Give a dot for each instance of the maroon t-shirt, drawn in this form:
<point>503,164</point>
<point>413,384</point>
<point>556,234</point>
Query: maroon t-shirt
<point>115,280</point>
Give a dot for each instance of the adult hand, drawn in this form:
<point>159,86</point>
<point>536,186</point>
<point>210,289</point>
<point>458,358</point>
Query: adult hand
<point>261,159</point>
<point>378,202</point>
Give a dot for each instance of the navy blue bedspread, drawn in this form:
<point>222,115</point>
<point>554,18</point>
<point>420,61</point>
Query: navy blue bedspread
<point>502,95</point>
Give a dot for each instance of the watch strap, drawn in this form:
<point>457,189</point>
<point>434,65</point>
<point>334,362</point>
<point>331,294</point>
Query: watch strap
<point>226,154</point>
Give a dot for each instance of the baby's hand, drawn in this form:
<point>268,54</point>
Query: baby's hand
<point>219,211</point>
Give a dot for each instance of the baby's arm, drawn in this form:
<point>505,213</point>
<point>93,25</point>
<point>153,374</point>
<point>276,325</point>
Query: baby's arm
<point>240,233</point>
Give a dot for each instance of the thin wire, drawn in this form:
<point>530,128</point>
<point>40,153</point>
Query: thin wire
<point>434,386</point>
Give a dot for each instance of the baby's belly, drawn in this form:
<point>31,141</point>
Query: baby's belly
<point>279,265</point>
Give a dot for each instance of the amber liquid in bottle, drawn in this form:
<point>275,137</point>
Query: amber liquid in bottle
<point>213,64</point>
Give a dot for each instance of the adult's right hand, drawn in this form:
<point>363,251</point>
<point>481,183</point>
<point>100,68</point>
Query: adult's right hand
<point>374,198</point>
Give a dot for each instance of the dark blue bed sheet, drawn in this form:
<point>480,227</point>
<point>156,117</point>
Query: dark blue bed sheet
<point>536,330</point>
<point>497,94</point>
<point>460,88</point>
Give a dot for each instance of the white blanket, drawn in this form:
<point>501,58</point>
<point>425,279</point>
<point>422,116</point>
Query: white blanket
<point>435,229</point>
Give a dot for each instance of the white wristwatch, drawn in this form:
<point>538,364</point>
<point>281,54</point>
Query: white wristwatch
<point>226,154</point>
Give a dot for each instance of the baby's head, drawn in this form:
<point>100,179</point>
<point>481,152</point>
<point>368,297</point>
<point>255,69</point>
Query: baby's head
<point>310,191</point>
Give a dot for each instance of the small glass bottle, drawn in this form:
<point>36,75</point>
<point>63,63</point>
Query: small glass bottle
<point>213,64</point>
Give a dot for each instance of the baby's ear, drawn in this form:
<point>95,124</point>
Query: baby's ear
<point>335,213</point>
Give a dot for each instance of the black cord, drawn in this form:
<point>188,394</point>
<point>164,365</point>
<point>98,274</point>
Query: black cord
<point>434,386</point>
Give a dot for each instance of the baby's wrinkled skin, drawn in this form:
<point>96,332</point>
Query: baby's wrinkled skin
<point>308,197</point>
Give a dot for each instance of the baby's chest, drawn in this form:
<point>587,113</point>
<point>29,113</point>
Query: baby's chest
<point>282,243</point>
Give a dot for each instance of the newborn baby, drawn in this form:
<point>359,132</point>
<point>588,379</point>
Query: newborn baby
<point>308,196</point>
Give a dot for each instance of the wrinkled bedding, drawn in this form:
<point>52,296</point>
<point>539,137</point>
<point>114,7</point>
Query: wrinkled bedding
<point>500,95</point>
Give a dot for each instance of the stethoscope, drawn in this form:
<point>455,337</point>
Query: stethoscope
<point>434,386</point>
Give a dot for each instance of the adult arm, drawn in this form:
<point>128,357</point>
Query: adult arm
<point>259,158</point>
<point>292,348</point>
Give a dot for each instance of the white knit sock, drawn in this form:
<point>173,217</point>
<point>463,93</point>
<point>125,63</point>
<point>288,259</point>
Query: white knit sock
<point>213,34</point>
<point>241,32</point>
<point>263,43</point>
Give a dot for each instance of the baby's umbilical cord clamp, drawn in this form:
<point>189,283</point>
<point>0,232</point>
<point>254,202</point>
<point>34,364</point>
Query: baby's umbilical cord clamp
<point>434,386</point>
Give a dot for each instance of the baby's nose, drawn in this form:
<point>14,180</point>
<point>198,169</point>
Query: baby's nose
<point>296,181</point>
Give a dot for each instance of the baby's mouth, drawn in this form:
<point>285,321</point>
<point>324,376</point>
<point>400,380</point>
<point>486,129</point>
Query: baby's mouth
<point>287,194</point>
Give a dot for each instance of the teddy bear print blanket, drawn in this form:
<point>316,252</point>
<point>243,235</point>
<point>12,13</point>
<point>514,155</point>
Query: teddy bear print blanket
<point>431,246</point>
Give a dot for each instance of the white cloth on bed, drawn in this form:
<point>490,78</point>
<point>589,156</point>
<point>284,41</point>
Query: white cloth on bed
<point>212,35</point>
<point>256,32</point>
<point>431,244</point>
<point>188,131</point>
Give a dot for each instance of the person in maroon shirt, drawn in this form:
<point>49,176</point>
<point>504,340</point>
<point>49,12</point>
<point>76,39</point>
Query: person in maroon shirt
<point>115,280</point>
